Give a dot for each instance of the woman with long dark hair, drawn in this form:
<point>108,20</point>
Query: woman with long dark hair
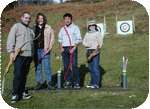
<point>43,45</point>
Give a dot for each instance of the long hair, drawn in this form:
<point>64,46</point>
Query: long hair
<point>44,18</point>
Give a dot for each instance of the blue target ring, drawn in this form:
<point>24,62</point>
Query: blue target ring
<point>99,29</point>
<point>124,27</point>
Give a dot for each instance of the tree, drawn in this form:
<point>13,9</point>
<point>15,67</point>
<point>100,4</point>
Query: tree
<point>61,1</point>
<point>34,2</point>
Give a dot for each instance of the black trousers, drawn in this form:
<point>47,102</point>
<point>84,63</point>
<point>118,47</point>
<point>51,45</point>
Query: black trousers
<point>21,70</point>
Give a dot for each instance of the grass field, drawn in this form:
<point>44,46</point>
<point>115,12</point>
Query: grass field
<point>136,46</point>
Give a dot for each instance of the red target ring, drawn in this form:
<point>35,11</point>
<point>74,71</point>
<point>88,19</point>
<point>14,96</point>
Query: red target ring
<point>124,27</point>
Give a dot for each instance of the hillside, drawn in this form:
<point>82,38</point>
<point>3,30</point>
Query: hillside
<point>78,10</point>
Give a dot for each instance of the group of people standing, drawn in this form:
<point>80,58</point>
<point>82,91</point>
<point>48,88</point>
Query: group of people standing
<point>40,41</point>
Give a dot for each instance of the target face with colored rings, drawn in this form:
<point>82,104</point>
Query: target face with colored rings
<point>124,27</point>
<point>99,29</point>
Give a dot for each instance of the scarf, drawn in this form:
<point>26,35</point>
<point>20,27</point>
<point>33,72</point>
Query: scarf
<point>91,31</point>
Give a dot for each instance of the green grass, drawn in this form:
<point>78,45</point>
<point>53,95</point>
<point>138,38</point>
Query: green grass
<point>79,100</point>
<point>114,47</point>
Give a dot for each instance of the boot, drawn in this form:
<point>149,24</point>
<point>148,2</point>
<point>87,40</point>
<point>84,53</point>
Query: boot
<point>50,86</point>
<point>39,86</point>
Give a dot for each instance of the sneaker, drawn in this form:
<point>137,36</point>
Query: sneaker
<point>39,86</point>
<point>77,86</point>
<point>50,86</point>
<point>26,96</point>
<point>92,87</point>
<point>68,85</point>
<point>89,86</point>
<point>96,86</point>
<point>14,99</point>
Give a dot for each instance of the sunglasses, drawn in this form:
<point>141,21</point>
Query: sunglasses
<point>92,25</point>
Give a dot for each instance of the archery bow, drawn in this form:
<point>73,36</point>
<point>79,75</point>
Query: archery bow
<point>70,49</point>
<point>47,48</point>
<point>11,62</point>
<point>89,58</point>
<point>45,51</point>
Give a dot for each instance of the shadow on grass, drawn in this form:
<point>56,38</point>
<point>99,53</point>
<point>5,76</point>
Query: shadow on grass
<point>54,79</point>
<point>83,70</point>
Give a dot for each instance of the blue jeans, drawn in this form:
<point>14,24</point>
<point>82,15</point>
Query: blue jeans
<point>94,68</point>
<point>21,70</point>
<point>46,66</point>
<point>66,61</point>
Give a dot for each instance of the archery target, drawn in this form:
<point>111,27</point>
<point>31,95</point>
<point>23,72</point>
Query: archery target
<point>124,27</point>
<point>100,28</point>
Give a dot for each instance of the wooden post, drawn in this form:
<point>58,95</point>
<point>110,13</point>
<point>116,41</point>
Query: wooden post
<point>133,24</point>
<point>87,23</point>
<point>116,22</point>
<point>104,25</point>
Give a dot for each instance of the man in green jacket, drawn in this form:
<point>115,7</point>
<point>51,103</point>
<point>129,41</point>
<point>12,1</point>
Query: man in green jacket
<point>18,35</point>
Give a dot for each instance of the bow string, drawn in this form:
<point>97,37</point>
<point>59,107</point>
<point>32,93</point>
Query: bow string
<point>70,49</point>
<point>11,62</point>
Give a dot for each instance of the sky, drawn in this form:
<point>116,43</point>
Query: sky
<point>58,1</point>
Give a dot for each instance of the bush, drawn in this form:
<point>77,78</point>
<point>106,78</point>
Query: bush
<point>91,1</point>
